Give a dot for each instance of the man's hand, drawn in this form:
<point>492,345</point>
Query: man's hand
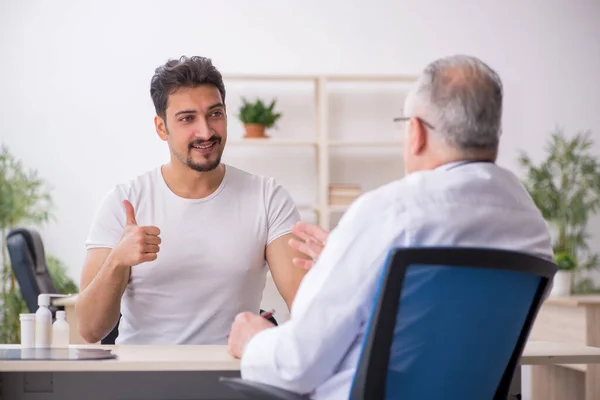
<point>244,327</point>
<point>313,239</point>
<point>138,244</point>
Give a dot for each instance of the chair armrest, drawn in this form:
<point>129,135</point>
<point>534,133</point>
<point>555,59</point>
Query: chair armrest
<point>253,390</point>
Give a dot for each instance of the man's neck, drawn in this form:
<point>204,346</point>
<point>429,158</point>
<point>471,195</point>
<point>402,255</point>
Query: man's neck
<point>190,184</point>
<point>449,157</point>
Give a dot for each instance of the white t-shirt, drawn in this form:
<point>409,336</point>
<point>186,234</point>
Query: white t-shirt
<point>211,265</point>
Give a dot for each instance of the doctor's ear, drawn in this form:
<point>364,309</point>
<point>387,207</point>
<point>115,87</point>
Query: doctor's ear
<point>417,136</point>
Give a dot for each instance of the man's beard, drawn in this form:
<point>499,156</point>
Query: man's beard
<point>208,165</point>
<point>204,167</point>
<point>196,166</point>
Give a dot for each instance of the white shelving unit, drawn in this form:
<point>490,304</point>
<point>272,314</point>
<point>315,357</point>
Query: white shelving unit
<point>322,142</point>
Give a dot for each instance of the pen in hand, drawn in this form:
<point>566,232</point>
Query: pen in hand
<point>267,314</point>
<point>264,314</point>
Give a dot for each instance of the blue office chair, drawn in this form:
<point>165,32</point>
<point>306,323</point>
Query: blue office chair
<point>447,323</point>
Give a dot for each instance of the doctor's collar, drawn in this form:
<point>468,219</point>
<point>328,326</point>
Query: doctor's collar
<point>455,164</point>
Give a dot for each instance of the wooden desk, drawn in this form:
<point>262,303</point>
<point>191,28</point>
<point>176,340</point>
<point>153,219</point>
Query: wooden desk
<point>136,358</point>
<point>216,358</point>
<point>179,372</point>
<point>139,372</point>
<point>573,320</point>
<point>550,353</point>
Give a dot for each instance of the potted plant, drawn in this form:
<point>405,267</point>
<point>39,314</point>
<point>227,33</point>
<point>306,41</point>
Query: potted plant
<point>257,117</point>
<point>563,280</point>
<point>565,186</point>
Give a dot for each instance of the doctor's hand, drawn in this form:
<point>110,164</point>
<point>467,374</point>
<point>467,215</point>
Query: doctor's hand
<point>312,240</point>
<point>138,244</point>
<point>244,327</point>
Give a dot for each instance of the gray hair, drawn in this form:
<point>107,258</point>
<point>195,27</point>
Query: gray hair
<point>462,98</point>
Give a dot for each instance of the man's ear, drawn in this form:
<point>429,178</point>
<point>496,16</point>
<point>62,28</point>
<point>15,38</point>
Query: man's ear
<point>161,127</point>
<point>417,136</point>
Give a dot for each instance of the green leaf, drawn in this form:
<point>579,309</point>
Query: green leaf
<point>565,261</point>
<point>258,113</point>
<point>58,273</point>
<point>565,186</point>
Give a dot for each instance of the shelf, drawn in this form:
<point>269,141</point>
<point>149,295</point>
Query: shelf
<point>370,78</point>
<point>338,209</point>
<point>271,142</point>
<point>331,209</point>
<point>329,151</point>
<point>311,142</point>
<point>264,77</point>
<point>330,78</point>
<point>364,143</point>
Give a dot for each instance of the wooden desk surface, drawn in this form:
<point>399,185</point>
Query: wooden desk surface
<point>544,353</point>
<point>216,358</point>
<point>574,301</point>
<point>136,358</point>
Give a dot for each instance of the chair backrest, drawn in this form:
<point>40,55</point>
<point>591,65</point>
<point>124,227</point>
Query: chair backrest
<point>450,323</point>
<point>112,335</point>
<point>28,260</point>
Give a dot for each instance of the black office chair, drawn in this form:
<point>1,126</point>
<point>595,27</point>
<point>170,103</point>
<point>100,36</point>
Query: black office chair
<point>112,335</point>
<point>459,336</point>
<point>28,260</point>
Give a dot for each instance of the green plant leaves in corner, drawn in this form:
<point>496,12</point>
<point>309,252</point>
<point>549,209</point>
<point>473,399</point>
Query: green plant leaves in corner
<point>14,304</point>
<point>58,272</point>
<point>23,195</point>
<point>24,198</point>
<point>565,186</point>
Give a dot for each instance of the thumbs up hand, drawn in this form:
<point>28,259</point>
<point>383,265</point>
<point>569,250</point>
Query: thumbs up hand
<point>138,244</point>
<point>129,213</point>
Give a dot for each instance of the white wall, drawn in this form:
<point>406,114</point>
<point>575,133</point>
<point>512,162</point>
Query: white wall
<point>75,75</point>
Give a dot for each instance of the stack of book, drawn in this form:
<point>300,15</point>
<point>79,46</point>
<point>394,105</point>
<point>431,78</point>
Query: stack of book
<point>343,195</point>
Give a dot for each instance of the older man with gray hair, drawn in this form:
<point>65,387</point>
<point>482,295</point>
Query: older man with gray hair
<point>454,194</point>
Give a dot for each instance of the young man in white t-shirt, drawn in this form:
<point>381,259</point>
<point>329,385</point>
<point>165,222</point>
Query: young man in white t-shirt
<point>182,249</point>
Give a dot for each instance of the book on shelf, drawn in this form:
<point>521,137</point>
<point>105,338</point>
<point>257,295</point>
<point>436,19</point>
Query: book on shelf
<point>343,194</point>
<point>341,201</point>
<point>338,188</point>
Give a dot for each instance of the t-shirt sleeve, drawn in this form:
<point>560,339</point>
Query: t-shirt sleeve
<point>108,223</point>
<point>282,213</point>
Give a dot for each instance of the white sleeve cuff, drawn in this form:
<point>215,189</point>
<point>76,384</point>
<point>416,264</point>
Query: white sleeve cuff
<point>258,359</point>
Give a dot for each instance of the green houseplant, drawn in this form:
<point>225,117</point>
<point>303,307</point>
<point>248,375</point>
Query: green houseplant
<point>24,198</point>
<point>565,186</point>
<point>257,117</point>
<point>567,265</point>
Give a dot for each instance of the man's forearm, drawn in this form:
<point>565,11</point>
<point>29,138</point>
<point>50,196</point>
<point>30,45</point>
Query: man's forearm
<point>99,304</point>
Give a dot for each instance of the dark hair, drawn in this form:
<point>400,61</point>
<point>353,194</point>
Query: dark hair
<point>184,72</point>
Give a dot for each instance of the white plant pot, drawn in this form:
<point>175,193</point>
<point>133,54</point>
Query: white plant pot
<point>563,281</point>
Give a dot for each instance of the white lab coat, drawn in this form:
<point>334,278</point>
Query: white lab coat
<point>458,204</point>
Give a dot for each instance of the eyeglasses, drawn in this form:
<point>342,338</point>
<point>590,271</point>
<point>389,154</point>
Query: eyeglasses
<point>421,120</point>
